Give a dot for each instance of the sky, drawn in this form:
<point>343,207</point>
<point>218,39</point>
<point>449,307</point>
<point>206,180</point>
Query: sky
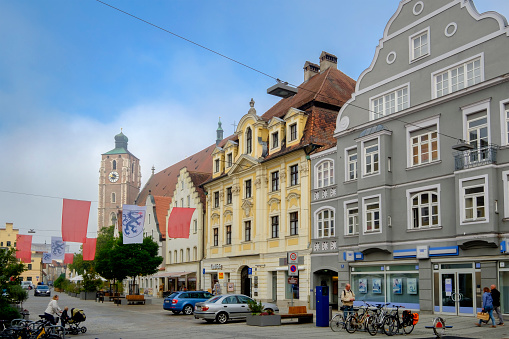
<point>74,73</point>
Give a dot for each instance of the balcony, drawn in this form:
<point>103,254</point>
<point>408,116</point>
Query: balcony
<point>475,157</point>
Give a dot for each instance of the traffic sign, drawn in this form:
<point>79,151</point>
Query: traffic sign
<point>293,258</point>
<point>293,270</point>
<point>293,280</point>
<point>249,271</point>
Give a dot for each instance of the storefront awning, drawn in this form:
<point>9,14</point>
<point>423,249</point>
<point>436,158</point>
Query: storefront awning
<point>172,274</point>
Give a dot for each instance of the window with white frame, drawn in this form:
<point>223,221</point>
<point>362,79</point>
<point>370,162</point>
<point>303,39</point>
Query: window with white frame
<point>216,168</point>
<point>371,215</point>
<point>351,163</point>
<point>506,116</point>
<point>458,77</point>
<point>275,181</point>
<point>477,135</point>
<point>474,203</point>
<point>420,45</point>
<point>229,160</point>
<point>389,103</point>
<point>247,186</point>
<point>247,230</point>
<point>351,219</point>
<point>371,153</point>
<point>325,173</point>
<point>325,224</point>
<point>293,132</point>
<point>216,236</point>
<point>275,226</point>
<point>228,234</point>
<point>424,207</point>
<point>424,145</point>
<point>275,140</point>
<point>216,199</point>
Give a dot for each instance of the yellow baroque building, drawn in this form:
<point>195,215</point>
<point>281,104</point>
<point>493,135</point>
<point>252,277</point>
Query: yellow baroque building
<point>258,199</point>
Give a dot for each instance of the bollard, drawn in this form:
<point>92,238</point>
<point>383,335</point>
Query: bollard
<point>330,313</point>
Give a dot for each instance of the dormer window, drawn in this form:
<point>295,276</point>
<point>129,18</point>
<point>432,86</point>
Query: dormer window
<point>229,160</point>
<point>275,140</point>
<point>293,132</point>
<point>249,140</point>
<point>217,165</point>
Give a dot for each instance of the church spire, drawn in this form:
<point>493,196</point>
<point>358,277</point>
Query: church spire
<point>219,132</point>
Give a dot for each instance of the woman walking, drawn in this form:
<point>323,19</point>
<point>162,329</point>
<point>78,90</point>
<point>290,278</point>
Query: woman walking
<point>487,306</point>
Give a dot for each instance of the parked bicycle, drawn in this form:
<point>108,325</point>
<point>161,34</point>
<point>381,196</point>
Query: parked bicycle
<point>393,323</point>
<point>375,322</point>
<point>24,329</point>
<point>357,321</point>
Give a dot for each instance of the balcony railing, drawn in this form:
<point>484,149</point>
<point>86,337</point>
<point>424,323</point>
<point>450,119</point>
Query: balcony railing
<point>476,157</point>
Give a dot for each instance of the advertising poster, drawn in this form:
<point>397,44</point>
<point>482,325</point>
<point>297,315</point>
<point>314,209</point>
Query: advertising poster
<point>411,285</point>
<point>397,286</point>
<point>377,285</point>
<point>363,286</point>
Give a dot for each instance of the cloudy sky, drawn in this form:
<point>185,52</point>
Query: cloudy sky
<point>73,73</point>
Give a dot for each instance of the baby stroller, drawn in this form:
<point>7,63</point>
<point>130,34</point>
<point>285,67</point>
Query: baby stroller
<point>74,320</point>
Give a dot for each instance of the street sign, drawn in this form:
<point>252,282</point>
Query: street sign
<point>293,270</point>
<point>293,258</point>
<point>293,280</point>
<point>249,271</point>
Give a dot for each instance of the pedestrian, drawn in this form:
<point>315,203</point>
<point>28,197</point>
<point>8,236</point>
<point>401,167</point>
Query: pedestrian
<point>347,298</point>
<point>52,310</point>
<point>495,295</point>
<point>487,306</point>
<point>217,288</point>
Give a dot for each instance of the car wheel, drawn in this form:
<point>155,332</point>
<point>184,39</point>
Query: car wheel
<point>222,318</point>
<point>176,312</point>
<point>188,310</point>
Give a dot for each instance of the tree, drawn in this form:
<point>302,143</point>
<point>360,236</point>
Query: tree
<point>10,270</point>
<point>105,243</point>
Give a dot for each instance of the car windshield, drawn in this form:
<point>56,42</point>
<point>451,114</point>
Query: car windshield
<point>44,287</point>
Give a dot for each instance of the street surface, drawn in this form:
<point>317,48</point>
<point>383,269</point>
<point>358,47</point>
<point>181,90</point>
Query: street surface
<point>109,321</point>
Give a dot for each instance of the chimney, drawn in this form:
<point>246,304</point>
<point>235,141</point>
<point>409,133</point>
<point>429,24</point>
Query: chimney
<point>310,70</point>
<point>328,60</point>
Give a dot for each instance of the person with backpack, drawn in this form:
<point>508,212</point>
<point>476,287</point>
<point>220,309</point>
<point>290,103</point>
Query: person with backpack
<point>347,298</point>
<point>495,294</point>
<point>487,306</point>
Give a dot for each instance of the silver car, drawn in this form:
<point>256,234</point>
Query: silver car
<point>226,306</point>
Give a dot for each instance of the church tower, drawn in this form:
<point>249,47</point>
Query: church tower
<point>119,181</point>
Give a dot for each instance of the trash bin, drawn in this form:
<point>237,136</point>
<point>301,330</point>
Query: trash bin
<point>322,306</point>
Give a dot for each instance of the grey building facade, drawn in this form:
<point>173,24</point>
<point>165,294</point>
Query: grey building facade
<point>412,206</point>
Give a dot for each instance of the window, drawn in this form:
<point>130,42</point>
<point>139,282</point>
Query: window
<point>188,201</point>
<point>216,236</point>
<point>114,166</point>
<point>181,255</point>
<point>247,230</point>
<point>420,45</point>
<point>216,165</point>
<point>371,159</point>
<point>325,173</point>
<point>248,188</point>
<point>352,221</point>
<point>176,203</point>
<point>216,199</point>
<point>425,209</point>
<point>228,235</point>
<point>188,254</point>
<point>325,224</point>
<point>371,215</point>
<point>424,145</point>
<point>275,181</point>
<point>8,243</point>
<point>458,77</point>
<point>175,259</point>
<point>275,226</point>
<point>477,134</point>
<point>249,140</point>
<point>294,175</point>
<point>113,198</point>
<point>474,203</point>
<point>228,195</point>
<point>389,103</point>
<point>352,164</point>
<point>195,224</point>
<point>229,160</point>
<point>29,266</point>
<point>293,132</point>
<point>275,140</point>
<point>294,223</point>
<point>182,185</point>
<point>195,253</point>
<point>182,202</point>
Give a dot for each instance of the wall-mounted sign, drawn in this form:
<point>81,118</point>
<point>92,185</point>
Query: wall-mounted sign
<point>221,275</point>
<point>216,266</point>
<point>230,287</point>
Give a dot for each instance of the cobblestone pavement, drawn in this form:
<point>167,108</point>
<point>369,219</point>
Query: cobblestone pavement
<point>108,321</point>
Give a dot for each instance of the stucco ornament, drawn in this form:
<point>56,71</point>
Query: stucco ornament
<point>247,206</point>
<point>235,189</point>
<point>343,124</point>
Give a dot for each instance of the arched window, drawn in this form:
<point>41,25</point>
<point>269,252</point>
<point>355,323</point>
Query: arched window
<point>424,209</point>
<point>181,255</point>
<point>175,259</point>
<point>325,224</point>
<point>113,197</point>
<point>114,164</point>
<point>188,254</point>
<point>249,140</point>
<point>325,174</point>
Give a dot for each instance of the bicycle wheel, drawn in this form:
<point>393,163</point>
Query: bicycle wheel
<point>389,325</point>
<point>337,323</point>
<point>408,328</point>
<point>351,324</point>
<point>371,325</point>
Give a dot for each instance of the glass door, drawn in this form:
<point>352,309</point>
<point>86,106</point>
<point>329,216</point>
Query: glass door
<point>457,293</point>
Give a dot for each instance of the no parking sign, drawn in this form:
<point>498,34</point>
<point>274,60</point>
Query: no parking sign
<point>293,270</point>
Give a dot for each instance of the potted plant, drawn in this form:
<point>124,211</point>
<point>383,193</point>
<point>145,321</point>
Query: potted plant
<point>259,317</point>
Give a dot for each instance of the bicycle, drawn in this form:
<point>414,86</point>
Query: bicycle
<point>337,322</point>
<point>392,323</point>
<point>354,322</point>
<point>375,322</point>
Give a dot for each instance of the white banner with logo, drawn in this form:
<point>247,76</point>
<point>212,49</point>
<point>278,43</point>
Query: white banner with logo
<point>133,219</point>
<point>57,248</point>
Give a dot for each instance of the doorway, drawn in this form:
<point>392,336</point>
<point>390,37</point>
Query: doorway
<point>245,281</point>
<point>455,290</point>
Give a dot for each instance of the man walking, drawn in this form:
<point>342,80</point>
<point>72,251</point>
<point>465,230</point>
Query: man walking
<point>347,298</point>
<point>495,295</point>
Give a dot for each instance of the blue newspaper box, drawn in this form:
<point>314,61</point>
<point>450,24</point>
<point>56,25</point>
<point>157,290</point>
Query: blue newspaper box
<point>322,306</point>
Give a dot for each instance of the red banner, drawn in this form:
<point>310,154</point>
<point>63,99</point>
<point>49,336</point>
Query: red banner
<point>75,220</point>
<point>179,222</point>
<point>89,249</point>
<point>24,248</point>
<point>69,258</point>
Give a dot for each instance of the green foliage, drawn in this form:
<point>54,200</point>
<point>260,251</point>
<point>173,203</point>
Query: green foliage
<point>105,243</point>
<point>90,282</point>
<point>10,270</point>
<point>7,312</point>
<point>80,265</point>
<point>17,293</point>
<point>255,307</point>
<point>59,283</point>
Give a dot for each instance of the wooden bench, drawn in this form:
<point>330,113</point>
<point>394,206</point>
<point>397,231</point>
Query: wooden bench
<point>299,312</point>
<point>135,299</point>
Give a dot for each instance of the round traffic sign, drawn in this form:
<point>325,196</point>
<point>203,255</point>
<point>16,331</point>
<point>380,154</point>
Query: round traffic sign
<point>293,268</point>
<point>293,256</point>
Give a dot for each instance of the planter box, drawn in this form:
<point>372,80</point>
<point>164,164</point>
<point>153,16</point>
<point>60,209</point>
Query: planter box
<point>263,320</point>
<point>73,294</point>
<point>87,295</point>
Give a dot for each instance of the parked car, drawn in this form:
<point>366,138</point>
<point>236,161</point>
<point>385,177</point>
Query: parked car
<point>184,301</point>
<point>27,285</point>
<point>42,290</point>
<point>226,306</point>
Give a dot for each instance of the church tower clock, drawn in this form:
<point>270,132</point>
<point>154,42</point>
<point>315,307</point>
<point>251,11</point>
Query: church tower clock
<point>119,181</point>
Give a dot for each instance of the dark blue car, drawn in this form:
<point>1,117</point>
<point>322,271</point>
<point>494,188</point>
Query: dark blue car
<point>184,301</point>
